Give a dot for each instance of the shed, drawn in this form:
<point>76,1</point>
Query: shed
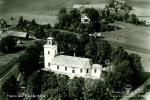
<point>97,34</point>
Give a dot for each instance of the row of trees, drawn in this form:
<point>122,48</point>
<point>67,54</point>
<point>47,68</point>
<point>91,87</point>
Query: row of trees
<point>136,21</point>
<point>31,27</point>
<point>29,61</point>
<point>72,21</point>
<point>60,87</point>
<point>127,69</point>
<point>68,43</point>
<point>99,20</point>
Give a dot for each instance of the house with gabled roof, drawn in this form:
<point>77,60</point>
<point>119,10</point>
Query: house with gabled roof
<point>69,65</point>
<point>85,18</point>
<point>14,34</point>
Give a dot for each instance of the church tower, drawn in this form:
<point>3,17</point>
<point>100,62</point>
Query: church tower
<point>50,49</point>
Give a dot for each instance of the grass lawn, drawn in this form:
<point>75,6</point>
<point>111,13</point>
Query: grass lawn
<point>15,72</point>
<point>7,58</point>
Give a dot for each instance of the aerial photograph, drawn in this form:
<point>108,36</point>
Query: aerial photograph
<point>74,49</point>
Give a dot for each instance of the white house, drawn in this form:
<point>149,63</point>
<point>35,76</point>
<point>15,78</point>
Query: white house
<point>69,65</point>
<point>84,18</point>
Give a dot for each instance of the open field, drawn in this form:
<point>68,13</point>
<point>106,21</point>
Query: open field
<point>130,34</point>
<point>45,11</point>
<point>7,58</point>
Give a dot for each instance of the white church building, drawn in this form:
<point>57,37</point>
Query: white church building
<point>69,65</point>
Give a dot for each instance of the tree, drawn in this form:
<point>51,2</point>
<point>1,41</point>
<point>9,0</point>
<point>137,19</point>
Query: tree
<point>48,26</point>
<point>127,69</point>
<point>121,75</point>
<point>103,51</point>
<point>54,33</point>
<point>20,22</point>
<point>29,61</point>
<point>51,94</point>
<point>109,19</point>
<point>136,65</point>
<point>62,10</point>
<point>49,81</point>
<point>83,41</point>
<point>74,14</point>
<point>116,10</point>
<point>39,33</point>
<point>126,16</point>
<point>63,20</point>
<point>119,55</point>
<point>7,44</point>
<point>92,14</point>
<point>103,13</point>
<point>137,22</point>
<point>62,86</point>
<point>95,90</point>
<point>91,27</point>
<point>67,43</point>
<point>107,12</point>
<point>33,22</point>
<point>10,88</point>
<point>98,50</point>
<point>91,50</point>
<point>34,84</point>
<point>75,87</point>
<point>133,19</point>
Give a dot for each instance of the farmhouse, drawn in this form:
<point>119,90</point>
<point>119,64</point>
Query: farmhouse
<point>14,34</point>
<point>69,65</point>
<point>84,18</point>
